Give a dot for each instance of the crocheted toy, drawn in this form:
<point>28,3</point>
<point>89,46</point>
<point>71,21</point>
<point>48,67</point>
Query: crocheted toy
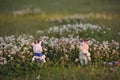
<point>37,49</point>
<point>84,55</point>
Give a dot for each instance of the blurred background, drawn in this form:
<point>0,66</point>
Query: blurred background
<point>22,16</point>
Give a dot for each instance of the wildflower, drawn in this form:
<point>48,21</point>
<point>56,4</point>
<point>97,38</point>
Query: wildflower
<point>104,32</point>
<point>3,61</point>
<point>112,69</point>
<point>104,63</point>
<point>116,63</point>
<point>11,58</point>
<point>110,63</point>
<point>76,60</point>
<point>118,33</point>
<point>66,57</point>
<point>38,77</point>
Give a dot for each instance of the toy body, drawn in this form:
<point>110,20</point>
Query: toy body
<point>84,55</point>
<point>37,49</point>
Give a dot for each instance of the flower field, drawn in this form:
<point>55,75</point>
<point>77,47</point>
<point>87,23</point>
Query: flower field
<point>60,44</point>
<point>60,33</point>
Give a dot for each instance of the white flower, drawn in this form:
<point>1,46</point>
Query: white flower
<point>3,61</point>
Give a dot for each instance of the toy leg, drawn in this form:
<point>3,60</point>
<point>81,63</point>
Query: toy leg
<point>86,60</point>
<point>34,58</point>
<point>83,60</point>
<point>43,58</point>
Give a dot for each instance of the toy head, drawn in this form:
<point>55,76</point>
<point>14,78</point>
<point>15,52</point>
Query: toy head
<point>83,40</point>
<point>39,41</point>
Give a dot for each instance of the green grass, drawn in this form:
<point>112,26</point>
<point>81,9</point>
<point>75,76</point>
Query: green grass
<point>62,6</point>
<point>90,72</point>
<point>21,25</point>
<point>17,25</point>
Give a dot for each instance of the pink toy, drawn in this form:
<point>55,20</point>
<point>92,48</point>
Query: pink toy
<point>37,49</point>
<point>84,54</point>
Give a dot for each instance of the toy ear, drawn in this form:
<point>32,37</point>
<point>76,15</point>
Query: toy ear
<point>35,42</point>
<point>80,40</point>
<point>40,42</point>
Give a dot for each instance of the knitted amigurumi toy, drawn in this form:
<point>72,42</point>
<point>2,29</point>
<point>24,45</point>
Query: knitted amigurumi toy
<point>37,49</point>
<point>84,55</point>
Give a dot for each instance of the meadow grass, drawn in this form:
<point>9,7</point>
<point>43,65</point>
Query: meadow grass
<point>89,72</point>
<point>29,24</point>
<point>62,6</point>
